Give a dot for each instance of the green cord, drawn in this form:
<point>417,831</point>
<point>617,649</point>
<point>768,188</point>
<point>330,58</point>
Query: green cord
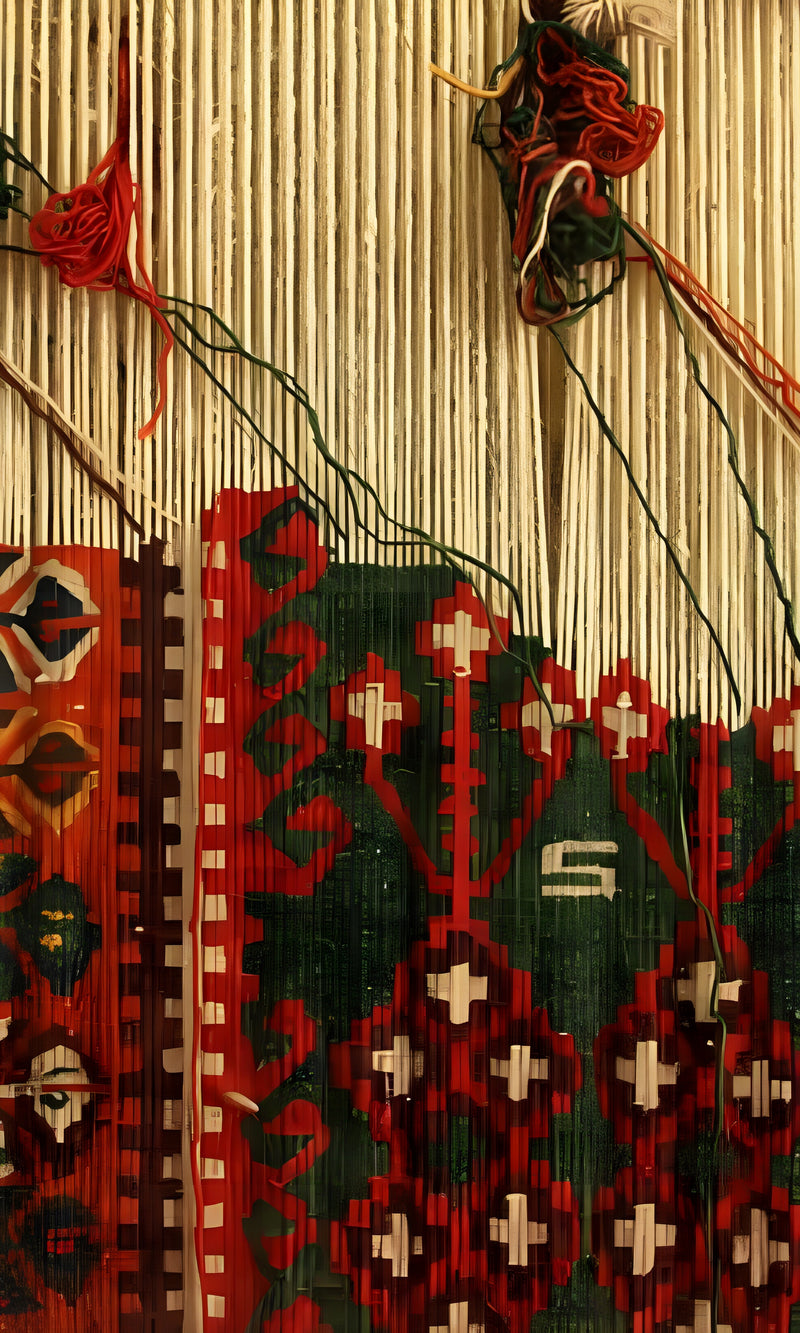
<point>198,360</point>
<point>719,973</point>
<point>10,151</point>
<point>733,449</point>
<point>615,445</point>
<point>451,554</point>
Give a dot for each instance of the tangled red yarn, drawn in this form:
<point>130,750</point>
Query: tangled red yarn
<point>84,233</point>
<point>567,127</point>
<point>618,139</point>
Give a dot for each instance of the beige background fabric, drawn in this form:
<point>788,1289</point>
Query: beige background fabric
<point>302,172</point>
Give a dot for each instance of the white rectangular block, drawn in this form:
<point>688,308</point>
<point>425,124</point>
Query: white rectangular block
<point>214,764</point>
<point>215,907</point>
<point>213,859</point>
<point>215,711</point>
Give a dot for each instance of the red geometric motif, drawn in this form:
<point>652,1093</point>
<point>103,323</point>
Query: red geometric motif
<point>460,1039</point>
<point>73,630</point>
<point>374,709</point>
<point>777,744</point>
<point>458,1075</point>
<point>543,738</point>
<point>656,1071</point>
<point>630,727</point>
<point>231,1282</point>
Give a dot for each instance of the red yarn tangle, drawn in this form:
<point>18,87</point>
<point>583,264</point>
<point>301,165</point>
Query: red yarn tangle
<point>567,127</point>
<point>85,232</point>
<point>593,111</point>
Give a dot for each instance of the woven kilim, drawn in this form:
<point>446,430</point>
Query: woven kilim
<point>488,1039</point>
<point>80,912</point>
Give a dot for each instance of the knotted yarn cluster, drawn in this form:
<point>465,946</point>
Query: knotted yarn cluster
<point>84,232</point>
<point>567,124</point>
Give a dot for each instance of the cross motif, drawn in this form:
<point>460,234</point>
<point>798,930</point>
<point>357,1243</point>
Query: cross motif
<point>458,989</point>
<point>518,1070</point>
<point>394,1245</point>
<point>629,725</point>
<point>374,710</point>
<point>699,987</point>
<point>400,1063</point>
<point>788,738</point>
<point>516,1231</point>
<point>458,1321</point>
<point>758,1250</point>
<point>464,637</point>
<point>645,1235</point>
<point>647,1074</point>
<point>536,715</point>
<point>761,1090</point>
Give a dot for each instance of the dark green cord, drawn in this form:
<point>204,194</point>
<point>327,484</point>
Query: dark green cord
<point>733,449</point>
<point>615,445</point>
<point>451,554</point>
<point>10,151</point>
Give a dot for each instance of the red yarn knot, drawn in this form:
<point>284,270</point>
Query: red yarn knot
<point>84,233</point>
<point>617,139</point>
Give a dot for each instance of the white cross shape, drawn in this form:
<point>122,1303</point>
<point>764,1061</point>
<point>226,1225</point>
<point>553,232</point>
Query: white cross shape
<point>536,715</point>
<point>629,726</point>
<point>516,1231</point>
<point>400,1063</point>
<point>698,989</point>
<point>458,989</point>
<point>788,738</point>
<point>518,1070</point>
<point>394,1246</point>
<point>758,1249</point>
<point>646,1073</point>
<point>761,1089</point>
<point>702,1321</point>
<point>464,638</point>
<point>645,1235</point>
<point>374,710</point>
<point>458,1321</point>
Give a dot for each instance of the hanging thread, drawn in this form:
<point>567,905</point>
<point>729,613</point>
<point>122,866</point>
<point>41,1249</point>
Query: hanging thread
<point>84,232</point>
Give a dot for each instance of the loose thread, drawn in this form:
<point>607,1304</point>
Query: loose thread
<point>733,449</point>
<point>11,152</point>
<point>253,424</point>
<point>451,554</point>
<point>615,445</point>
<point>85,231</point>
<point>719,975</point>
<point>62,431</point>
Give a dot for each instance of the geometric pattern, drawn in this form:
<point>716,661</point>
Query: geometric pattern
<point>91,1226</point>
<point>496,1026</point>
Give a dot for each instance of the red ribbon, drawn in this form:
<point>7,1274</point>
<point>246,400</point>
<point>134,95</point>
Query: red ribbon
<point>85,232</point>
